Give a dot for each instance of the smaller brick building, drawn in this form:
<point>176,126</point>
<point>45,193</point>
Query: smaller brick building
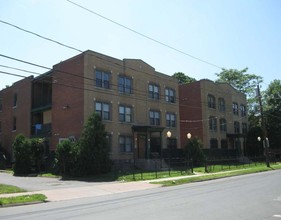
<point>215,113</point>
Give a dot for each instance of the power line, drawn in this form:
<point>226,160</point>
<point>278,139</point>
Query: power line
<point>38,35</point>
<point>22,70</point>
<point>145,36</point>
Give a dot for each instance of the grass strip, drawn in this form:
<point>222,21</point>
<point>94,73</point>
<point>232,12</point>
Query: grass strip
<point>5,189</point>
<point>25,199</point>
<point>217,175</point>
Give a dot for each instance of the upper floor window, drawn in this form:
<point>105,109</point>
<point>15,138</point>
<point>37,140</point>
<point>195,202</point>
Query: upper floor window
<point>211,101</point>
<point>223,127</point>
<point>15,103</point>
<point>125,144</point>
<point>154,117</point>
<point>213,123</point>
<point>244,128</point>
<point>243,110</point>
<point>170,95</point>
<point>102,79</point>
<point>153,91</point>
<point>221,104</point>
<point>103,109</point>
<point>235,108</point>
<point>236,127</point>
<point>125,114</point>
<point>124,84</point>
<point>170,120</point>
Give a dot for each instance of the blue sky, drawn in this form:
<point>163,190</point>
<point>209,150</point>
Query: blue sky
<point>228,33</point>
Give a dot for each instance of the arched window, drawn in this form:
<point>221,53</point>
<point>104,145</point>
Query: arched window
<point>211,101</point>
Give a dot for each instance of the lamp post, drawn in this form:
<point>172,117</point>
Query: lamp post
<point>259,140</point>
<point>169,134</point>
<point>265,147</point>
<point>188,135</point>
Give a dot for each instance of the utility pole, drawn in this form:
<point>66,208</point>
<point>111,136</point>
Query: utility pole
<point>263,126</point>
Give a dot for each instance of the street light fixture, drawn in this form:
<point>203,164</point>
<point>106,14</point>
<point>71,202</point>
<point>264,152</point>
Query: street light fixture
<point>169,134</point>
<point>265,147</point>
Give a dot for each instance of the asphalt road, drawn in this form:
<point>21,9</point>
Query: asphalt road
<point>255,196</point>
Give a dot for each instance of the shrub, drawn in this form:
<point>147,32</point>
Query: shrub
<point>37,152</point>
<point>22,155</point>
<point>193,150</point>
<point>67,154</point>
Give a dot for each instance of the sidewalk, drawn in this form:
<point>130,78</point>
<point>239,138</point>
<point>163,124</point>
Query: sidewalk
<point>94,189</point>
<point>88,191</point>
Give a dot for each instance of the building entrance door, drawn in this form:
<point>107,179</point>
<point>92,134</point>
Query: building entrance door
<point>141,146</point>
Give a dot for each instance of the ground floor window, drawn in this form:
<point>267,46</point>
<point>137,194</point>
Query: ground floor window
<point>213,143</point>
<point>125,143</point>
<point>224,144</point>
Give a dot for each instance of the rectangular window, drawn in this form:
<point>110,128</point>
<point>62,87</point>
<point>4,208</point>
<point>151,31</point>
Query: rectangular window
<point>212,123</point>
<point>124,85</point>
<point>235,108</point>
<point>14,124</point>
<point>244,128</point>
<point>15,103</point>
<point>211,101</point>
<point>221,105</point>
<point>153,91</point>
<point>154,117</point>
<point>170,95</point>
<point>213,143</point>
<point>224,144</point>
<point>243,110</point>
<point>103,109</point>
<point>102,79</point>
<point>236,127</point>
<point>125,144</point>
<point>170,120</point>
<point>223,125</point>
<point>125,114</point>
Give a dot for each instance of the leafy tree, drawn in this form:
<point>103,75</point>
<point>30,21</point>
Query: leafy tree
<point>37,152</point>
<point>182,78</point>
<point>273,113</point>
<point>193,150</point>
<point>94,146</point>
<point>67,154</point>
<point>254,148</point>
<point>245,83</point>
<point>22,154</point>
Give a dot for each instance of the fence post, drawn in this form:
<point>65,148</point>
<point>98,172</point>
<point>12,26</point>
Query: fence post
<point>155,165</point>
<point>206,166</point>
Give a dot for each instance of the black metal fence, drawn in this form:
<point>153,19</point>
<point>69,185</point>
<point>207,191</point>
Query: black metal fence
<point>153,167</point>
<point>168,167</point>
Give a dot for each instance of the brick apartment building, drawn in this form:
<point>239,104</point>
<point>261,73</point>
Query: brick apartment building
<point>138,105</point>
<point>215,113</point>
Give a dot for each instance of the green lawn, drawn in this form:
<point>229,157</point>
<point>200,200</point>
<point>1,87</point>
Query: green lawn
<point>22,199</point>
<point>4,189</point>
<point>218,175</point>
